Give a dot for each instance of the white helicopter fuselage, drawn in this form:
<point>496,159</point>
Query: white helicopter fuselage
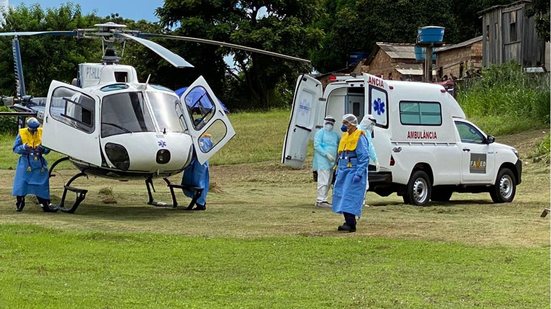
<point>117,127</point>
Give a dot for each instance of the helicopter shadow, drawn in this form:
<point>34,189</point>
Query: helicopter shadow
<point>131,213</point>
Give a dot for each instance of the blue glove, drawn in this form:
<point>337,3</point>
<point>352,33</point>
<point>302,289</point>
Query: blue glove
<point>356,178</point>
<point>28,148</point>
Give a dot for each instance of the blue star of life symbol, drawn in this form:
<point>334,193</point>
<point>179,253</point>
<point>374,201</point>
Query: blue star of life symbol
<point>161,143</point>
<point>379,106</point>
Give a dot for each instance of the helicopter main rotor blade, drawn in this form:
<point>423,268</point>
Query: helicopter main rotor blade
<point>224,44</point>
<point>169,56</point>
<point>29,33</point>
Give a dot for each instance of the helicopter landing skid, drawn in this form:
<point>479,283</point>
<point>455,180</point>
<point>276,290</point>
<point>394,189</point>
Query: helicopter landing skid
<point>196,194</point>
<point>80,194</point>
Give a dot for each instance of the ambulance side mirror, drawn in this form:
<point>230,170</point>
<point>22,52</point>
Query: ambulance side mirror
<point>490,139</point>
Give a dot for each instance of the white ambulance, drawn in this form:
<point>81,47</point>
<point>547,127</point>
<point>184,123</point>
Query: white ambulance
<point>425,147</point>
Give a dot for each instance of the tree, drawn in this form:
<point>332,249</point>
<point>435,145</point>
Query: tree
<point>45,58</point>
<point>540,9</point>
<point>281,26</point>
<point>355,25</point>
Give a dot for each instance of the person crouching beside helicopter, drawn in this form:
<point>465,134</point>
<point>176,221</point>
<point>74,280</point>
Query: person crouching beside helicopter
<point>197,175</point>
<point>31,174</point>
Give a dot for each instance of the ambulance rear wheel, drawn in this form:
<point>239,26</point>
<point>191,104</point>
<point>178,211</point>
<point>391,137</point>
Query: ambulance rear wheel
<point>505,188</point>
<point>418,190</point>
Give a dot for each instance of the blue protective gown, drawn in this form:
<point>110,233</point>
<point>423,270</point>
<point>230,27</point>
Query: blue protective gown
<point>197,174</point>
<point>325,142</point>
<point>31,173</point>
<point>372,154</point>
<point>348,196</point>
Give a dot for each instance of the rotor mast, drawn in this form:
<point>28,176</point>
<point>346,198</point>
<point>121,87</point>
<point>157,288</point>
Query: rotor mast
<point>107,33</point>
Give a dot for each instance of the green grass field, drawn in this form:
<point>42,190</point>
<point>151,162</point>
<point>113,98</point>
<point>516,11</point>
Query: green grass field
<point>262,244</point>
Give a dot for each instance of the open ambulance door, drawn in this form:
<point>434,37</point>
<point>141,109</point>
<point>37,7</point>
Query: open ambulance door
<point>306,105</point>
<point>206,120</point>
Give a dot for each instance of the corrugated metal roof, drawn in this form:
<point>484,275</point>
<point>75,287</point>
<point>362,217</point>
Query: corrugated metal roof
<point>398,50</point>
<point>484,11</point>
<point>459,45</point>
<point>411,69</point>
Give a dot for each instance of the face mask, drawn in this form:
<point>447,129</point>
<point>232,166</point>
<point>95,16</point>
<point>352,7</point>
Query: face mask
<point>344,128</point>
<point>328,127</point>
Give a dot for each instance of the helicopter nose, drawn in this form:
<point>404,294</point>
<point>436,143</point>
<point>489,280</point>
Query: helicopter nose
<point>163,156</point>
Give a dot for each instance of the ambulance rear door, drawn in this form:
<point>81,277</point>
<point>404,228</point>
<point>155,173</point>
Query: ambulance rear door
<point>307,103</point>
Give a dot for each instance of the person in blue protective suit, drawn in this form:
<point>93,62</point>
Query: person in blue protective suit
<point>31,174</point>
<point>197,175</point>
<point>366,125</point>
<point>353,158</point>
<point>326,142</point>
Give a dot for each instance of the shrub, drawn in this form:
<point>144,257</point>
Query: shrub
<point>542,150</point>
<point>8,124</point>
<point>508,94</point>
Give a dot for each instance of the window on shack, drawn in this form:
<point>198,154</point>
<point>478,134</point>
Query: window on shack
<point>420,113</point>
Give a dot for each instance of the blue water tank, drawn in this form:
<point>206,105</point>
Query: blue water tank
<point>430,35</point>
<point>420,54</point>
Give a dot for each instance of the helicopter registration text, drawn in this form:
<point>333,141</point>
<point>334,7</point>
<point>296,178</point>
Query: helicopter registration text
<point>92,72</point>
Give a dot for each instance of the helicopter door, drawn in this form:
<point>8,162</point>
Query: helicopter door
<point>208,124</point>
<point>305,107</point>
<point>70,121</point>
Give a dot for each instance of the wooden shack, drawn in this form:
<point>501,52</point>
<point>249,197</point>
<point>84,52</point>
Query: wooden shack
<point>459,60</point>
<point>392,61</point>
<point>508,34</point>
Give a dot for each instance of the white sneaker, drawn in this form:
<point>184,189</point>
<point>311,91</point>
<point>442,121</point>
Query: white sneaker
<point>323,204</point>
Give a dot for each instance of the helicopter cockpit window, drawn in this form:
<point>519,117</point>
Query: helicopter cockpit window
<point>168,111</point>
<point>123,113</point>
<point>114,87</point>
<point>73,108</point>
<point>200,106</point>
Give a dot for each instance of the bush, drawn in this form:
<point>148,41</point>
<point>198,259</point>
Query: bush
<point>507,94</point>
<point>542,150</point>
<point>8,124</point>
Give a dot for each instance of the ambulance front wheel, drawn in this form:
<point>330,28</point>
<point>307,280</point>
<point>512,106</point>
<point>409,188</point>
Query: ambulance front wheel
<point>418,189</point>
<point>504,188</point>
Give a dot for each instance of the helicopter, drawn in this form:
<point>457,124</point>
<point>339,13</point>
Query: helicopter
<point>108,124</point>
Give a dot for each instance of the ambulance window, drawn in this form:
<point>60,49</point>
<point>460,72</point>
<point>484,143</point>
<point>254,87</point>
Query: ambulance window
<point>378,106</point>
<point>469,134</point>
<point>420,113</point>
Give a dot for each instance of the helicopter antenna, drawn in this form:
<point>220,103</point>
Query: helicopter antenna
<point>144,86</point>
